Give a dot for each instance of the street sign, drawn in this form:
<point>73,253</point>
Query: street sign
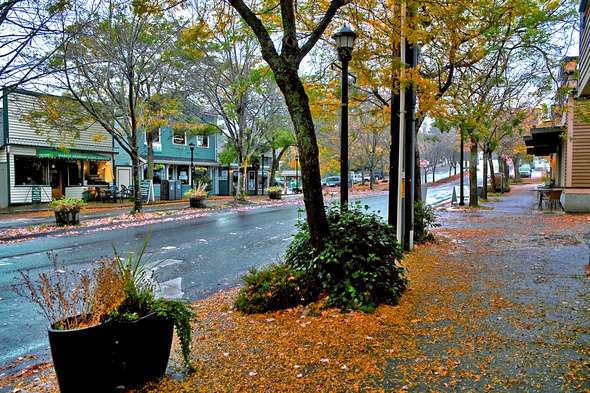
<point>422,163</point>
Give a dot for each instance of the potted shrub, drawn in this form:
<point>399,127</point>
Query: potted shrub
<point>197,196</point>
<point>67,210</point>
<point>108,330</point>
<point>88,196</point>
<point>274,192</point>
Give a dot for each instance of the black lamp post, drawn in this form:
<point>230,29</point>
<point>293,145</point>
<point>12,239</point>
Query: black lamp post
<point>192,146</point>
<point>461,196</point>
<point>344,43</point>
<point>296,189</point>
<point>262,173</point>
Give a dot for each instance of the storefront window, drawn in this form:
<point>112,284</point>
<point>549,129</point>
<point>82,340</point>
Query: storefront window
<point>159,173</point>
<point>30,170</point>
<point>183,173</point>
<point>75,168</point>
<point>94,174</point>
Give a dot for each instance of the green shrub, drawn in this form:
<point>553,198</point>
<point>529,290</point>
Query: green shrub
<point>272,288</point>
<point>359,265</point>
<point>424,217</point>
<point>205,182</point>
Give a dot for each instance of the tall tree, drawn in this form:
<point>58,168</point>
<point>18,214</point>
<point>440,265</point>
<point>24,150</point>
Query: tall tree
<point>231,81</point>
<point>301,29</point>
<point>108,58</point>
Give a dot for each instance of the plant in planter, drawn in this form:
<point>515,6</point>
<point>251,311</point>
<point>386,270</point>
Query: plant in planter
<point>88,196</point>
<point>107,327</point>
<point>67,210</point>
<point>274,192</point>
<point>197,196</point>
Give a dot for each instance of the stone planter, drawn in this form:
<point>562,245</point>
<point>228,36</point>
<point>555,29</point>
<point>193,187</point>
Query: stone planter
<point>198,201</point>
<point>67,217</point>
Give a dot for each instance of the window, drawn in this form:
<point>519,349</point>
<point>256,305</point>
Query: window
<point>30,170</point>
<point>179,138</point>
<point>75,172</point>
<point>94,173</point>
<point>157,138</point>
<point>183,173</point>
<point>202,141</point>
<point>159,173</point>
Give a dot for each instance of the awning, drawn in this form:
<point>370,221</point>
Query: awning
<point>76,155</point>
<point>543,141</point>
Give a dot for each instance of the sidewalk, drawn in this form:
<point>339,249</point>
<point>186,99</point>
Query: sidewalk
<point>499,303</point>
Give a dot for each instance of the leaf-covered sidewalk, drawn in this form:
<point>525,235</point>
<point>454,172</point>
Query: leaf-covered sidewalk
<point>500,302</point>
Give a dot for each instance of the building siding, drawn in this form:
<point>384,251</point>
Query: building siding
<point>19,107</point>
<point>580,155</point>
<point>584,66</point>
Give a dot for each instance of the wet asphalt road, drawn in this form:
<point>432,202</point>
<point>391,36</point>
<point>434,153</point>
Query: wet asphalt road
<point>201,256</point>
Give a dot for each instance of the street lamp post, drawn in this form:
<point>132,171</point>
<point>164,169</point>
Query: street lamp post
<point>296,189</point>
<point>461,192</point>
<point>262,173</point>
<point>344,43</point>
<point>192,146</point>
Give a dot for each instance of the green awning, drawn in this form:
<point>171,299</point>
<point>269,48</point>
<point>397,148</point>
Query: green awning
<point>76,155</point>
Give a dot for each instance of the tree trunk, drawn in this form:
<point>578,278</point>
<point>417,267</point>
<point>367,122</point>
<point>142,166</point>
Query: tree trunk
<point>298,104</point>
<point>473,173</point>
<point>417,170</point>
<point>484,189</point>
<point>492,173</point>
<point>516,166</point>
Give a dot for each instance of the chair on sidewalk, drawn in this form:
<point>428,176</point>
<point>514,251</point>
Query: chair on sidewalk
<point>125,192</point>
<point>554,200</point>
<point>99,195</point>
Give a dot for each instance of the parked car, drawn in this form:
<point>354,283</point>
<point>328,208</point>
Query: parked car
<point>357,178</point>
<point>377,175</point>
<point>332,181</point>
<point>525,170</point>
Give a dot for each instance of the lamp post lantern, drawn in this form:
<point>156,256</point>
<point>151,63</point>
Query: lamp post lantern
<point>344,43</point>
<point>192,147</point>
<point>262,173</point>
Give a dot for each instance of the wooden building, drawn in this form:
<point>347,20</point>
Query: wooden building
<point>38,163</point>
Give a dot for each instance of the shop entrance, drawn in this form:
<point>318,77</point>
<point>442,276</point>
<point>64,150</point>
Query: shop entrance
<point>57,177</point>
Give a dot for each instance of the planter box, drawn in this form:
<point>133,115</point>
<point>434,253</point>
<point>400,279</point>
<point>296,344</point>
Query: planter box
<point>275,195</point>
<point>105,357</point>
<point>67,217</point>
<point>198,201</point>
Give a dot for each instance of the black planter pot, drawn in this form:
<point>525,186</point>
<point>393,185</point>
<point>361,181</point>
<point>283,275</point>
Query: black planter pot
<point>104,357</point>
<point>275,195</point>
<point>197,201</point>
<point>67,217</point>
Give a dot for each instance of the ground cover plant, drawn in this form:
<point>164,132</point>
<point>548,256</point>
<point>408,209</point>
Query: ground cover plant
<point>424,218</point>
<point>359,267</point>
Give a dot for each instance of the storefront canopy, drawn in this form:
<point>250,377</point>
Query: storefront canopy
<point>543,141</point>
<point>76,155</point>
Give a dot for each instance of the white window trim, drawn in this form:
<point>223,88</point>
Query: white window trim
<point>200,143</point>
<point>178,144</point>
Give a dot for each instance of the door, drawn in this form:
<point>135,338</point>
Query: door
<point>123,176</point>
<point>3,186</point>
<point>57,178</point>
